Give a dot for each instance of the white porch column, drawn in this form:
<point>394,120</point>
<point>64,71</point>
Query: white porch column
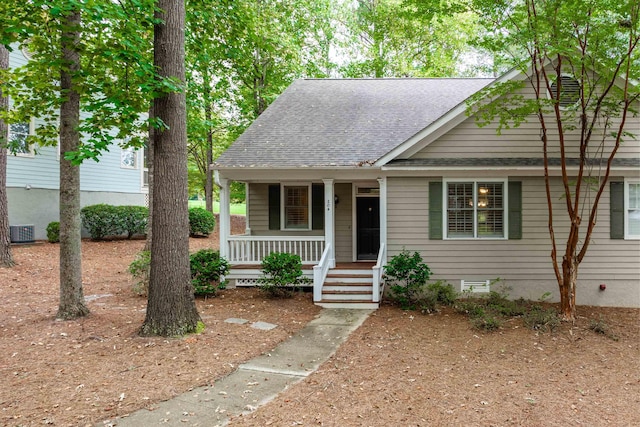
<point>224,221</point>
<point>329,220</point>
<point>247,226</point>
<point>383,210</point>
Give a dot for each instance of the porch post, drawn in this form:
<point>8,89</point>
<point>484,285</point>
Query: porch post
<point>247,228</point>
<point>383,210</point>
<point>224,220</point>
<point>329,220</point>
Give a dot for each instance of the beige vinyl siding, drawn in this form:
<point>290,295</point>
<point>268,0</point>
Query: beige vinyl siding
<point>525,264</point>
<point>468,140</point>
<point>259,214</point>
<point>343,228</point>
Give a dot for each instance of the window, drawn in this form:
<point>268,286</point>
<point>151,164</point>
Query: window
<point>296,206</point>
<point>569,91</point>
<point>18,138</point>
<point>632,209</point>
<point>475,209</point>
<point>128,158</point>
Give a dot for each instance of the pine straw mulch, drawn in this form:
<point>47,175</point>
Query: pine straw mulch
<point>399,368</point>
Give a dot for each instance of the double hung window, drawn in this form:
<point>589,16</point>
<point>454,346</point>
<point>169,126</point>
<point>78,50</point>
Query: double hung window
<point>632,209</point>
<point>475,209</point>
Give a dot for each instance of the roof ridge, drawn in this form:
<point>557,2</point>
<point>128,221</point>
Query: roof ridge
<point>341,79</point>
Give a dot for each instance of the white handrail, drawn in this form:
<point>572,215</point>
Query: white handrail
<point>320,273</point>
<point>378,272</point>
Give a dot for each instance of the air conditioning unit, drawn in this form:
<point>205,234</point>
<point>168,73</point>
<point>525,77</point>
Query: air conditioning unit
<point>21,233</point>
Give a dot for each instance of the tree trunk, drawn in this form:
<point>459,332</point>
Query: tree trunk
<point>171,308</point>
<point>208,188</point>
<point>6,260</point>
<point>72,304</point>
<point>568,288</point>
<point>149,155</point>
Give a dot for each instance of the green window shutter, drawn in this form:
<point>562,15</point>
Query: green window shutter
<point>616,209</point>
<point>515,210</point>
<point>435,210</point>
<point>317,206</point>
<point>274,206</point>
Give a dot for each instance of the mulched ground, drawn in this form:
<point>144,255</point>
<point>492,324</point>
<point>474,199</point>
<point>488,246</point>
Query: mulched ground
<point>398,369</point>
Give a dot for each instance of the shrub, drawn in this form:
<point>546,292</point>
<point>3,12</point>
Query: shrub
<point>133,219</point>
<point>201,222</point>
<point>443,292</point>
<point>53,232</point>
<point>140,269</point>
<point>406,276</point>
<point>541,319</point>
<point>206,270</point>
<point>100,220</point>
<point>103,220</point>
<point>282,274</point>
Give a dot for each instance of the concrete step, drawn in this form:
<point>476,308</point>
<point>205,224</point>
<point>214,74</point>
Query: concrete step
<point>349,304</point>
<point>339,286</point>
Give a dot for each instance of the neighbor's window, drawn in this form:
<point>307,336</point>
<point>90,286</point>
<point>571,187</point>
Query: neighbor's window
<point>128,158</point>
<point>18,134</point>
<point>297,206</point>
<point>632,209</point>
<point>475,209</point>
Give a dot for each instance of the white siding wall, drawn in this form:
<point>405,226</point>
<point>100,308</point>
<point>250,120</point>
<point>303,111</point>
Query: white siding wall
<point>524,265</point>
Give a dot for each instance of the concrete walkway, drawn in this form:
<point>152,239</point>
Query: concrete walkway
<point>256,382</point>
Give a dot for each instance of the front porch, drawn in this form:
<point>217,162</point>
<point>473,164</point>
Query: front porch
<point>337,229</point>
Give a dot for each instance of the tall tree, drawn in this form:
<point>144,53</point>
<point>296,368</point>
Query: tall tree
<point>104,72</point>
<point>404,38</point>
<point>171,308</point>
<point>72,304</point>
<point>582,62</point>
<point>6,259</point>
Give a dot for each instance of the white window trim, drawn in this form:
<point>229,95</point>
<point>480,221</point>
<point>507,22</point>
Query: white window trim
<point>505,203</point>
<point>135,159</point>
<point>32,131</point>
<point>283,215</point>
<point>627,235</point>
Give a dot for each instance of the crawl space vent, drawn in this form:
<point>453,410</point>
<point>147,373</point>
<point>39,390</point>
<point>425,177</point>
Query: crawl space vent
<point>475,286</point>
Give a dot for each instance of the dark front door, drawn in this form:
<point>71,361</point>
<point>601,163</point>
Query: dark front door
<point>368,227</point>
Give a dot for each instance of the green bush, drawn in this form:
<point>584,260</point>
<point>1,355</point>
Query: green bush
<point>406,276</point>
<point>140,269</point>
<point>201,222</point>
<point>443,292</point>
<point>282,274</point>
<point>133,219</point>
<point>541,319</point>
<point>53,232</point>
<point>104,220</point>
<point>207,268</point>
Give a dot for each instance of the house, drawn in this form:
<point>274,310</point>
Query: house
<point>119,178</point>
<point>348,173</point>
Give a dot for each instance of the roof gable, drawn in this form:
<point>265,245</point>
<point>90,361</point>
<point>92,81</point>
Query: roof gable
<point>345,122</point>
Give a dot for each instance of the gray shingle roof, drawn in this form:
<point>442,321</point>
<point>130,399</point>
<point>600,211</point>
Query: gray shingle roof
<point>348,122</point>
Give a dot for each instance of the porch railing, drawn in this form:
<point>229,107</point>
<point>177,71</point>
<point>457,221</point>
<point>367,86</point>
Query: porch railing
<point>248,249</point>
<point>320,273</point>
<point>378,272</point>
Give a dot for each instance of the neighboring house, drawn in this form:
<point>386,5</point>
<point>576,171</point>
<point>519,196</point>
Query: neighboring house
<point>348,173</point>
<point>33,178</point>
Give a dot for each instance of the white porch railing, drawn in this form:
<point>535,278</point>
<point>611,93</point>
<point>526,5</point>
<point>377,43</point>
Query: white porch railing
<point>247,249</point>
<point>320,273</point>
<point>378,272</point>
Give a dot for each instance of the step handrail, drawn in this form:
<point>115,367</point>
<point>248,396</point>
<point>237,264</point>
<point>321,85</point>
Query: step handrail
<point>378,272</point>
<point>320,272</point>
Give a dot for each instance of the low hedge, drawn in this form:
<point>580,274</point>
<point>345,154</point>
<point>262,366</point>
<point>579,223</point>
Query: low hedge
<point>104,220</point>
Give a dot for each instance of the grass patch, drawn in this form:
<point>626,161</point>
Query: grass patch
<point>236,208</point>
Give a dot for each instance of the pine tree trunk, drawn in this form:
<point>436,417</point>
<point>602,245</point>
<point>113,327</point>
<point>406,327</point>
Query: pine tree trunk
<point>72,304</point>
<point>6,260</point>
<point>149,149</point>
<point>171,309</point>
